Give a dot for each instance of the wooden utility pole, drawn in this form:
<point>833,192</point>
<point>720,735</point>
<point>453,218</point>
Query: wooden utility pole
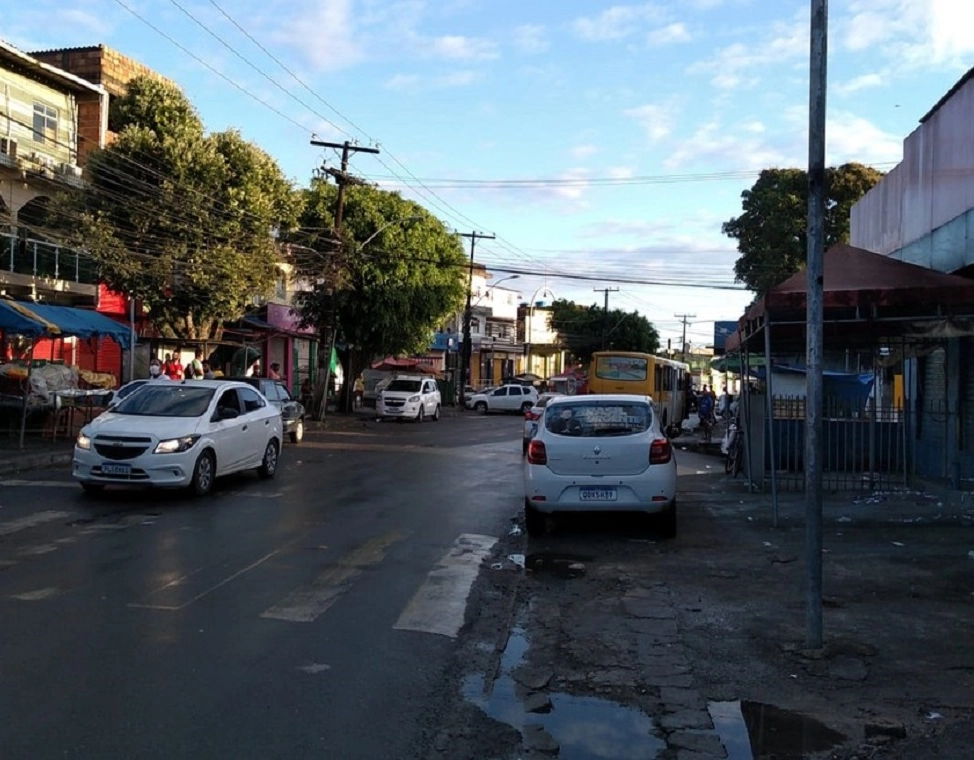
<point>685,319</point>
<point>329,329</point>
<point>465,349</point>
<point>817,80</point>
<point>605,314</point>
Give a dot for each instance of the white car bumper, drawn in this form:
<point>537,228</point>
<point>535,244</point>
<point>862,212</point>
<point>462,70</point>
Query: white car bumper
<point>407,410</point>
<point>147,469</point>
<point>654,491</point>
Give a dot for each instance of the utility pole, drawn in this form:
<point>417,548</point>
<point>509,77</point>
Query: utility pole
<point>685,319</point>
<point>465,352</point>
<point>605,314</point>
<point>818,57</point>
<point>330,329</point>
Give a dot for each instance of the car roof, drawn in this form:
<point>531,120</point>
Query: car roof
<point>626,398</point>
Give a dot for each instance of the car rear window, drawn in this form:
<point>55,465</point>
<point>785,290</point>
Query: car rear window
<point>598,418</point>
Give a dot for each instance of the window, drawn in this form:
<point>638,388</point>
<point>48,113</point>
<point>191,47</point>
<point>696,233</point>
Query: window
<point>271,392</point>
<point>282,393</point>
<point>228,401</point>
<point>500,392</point>
<point>251,400</point>
<point>515,391</point>
<point>45,124</point>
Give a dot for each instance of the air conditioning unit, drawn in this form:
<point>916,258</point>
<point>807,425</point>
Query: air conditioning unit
<point>8,147</point>
<point>70,170</point>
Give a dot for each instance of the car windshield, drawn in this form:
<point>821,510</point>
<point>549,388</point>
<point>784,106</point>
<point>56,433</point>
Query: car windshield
<point>406,386</point>
<point>163,400</point>
<point>127,390</point>
<point>598,418</point>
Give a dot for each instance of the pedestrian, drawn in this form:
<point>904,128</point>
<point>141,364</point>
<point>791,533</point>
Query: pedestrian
<point>274,373</point>
<point>175,371</point>
<point>359,390</point>
<point>253,370</point>
<point>195,367</point>
<point>723,404</point>
<point>208,373</point>
<point>155,369</point>
<point>705,411</point>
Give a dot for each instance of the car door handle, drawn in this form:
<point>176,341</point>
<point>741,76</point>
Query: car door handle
<point>244,427</point>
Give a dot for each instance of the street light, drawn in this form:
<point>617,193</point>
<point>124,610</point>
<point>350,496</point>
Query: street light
<point>466,347</point>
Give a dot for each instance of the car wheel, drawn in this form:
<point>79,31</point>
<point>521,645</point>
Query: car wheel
<point>421,414</point>
<point>92,489</point>
<point>268,467</point>
<point>481,407</point>
<point>204,471</point>
<point>436,414</point>
<point>668,521</point>
<point>297,435</point>
<point>534,521</point>
<point>526,406</point>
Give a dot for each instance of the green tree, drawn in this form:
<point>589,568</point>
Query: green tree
<point>580,329</point>
<point>184,221</point>
<point>772,233</point>
<point>397,274</point>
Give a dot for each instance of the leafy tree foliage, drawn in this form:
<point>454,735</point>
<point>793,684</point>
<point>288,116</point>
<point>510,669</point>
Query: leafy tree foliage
<point>772,234</point>
<point>398,273</point>
<point>183,220</point>
<point>581,330</point>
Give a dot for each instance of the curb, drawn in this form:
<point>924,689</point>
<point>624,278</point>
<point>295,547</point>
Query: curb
<point>36,461</point>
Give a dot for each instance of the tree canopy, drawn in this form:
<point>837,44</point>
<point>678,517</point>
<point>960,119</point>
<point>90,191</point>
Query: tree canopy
<point>772,231</point>
<point>184,221</point>
<point>581,330</point>
<point>397,275</point>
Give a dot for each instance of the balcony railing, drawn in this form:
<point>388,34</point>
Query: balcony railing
<point>40,258</point>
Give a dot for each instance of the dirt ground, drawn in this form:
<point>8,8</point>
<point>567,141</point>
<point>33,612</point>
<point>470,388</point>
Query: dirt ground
<point>612,643</point>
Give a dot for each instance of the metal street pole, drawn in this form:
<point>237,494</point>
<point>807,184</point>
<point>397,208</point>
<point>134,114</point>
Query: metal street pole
<point>465,349</point>
<point>814,319</point>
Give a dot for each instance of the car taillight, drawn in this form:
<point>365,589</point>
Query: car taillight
<point>537,453</point>
<point>660,451</point>
<point>531,416</point>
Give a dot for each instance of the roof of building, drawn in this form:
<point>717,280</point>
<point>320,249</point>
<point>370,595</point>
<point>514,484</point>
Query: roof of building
<point>948,95</point>
<point>45,71</point>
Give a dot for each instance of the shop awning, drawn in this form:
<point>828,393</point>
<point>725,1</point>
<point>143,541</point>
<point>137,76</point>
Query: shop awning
<point>36,319</point>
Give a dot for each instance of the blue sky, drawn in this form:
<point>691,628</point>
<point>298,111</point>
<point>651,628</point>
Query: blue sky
<point>628,130</point>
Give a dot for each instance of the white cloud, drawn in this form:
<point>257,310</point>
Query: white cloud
<point>740,65</point>
<point>669,35</point>
<point>416,83</point>
<point>656,118</point>
<point>583,151</point>
<point>852,138</point>
<point>457,47</point>
<point>530,38</point>
<point>862,82</point>
<point>325,35</point>
<point>719,147</point>
<point>615,23</point>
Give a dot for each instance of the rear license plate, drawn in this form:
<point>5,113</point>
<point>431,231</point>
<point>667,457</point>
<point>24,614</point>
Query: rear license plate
<point>589,493</point>
<point>116,469</point>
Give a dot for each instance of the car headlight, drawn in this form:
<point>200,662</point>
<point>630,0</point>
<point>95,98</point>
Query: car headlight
<point>413,399</point>
<point>175,445</point>
<point>83,442</point>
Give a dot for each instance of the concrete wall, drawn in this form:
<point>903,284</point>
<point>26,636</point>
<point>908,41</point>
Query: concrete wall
<point>923,210</point>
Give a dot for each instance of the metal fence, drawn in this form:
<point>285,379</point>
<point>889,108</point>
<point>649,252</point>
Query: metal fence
<point>865,448</point>
<point>39,258</point>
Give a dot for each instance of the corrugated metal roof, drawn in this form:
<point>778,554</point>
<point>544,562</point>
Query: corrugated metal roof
<point>45,70</point>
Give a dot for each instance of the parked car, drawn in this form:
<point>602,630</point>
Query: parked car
<point>413,397</point>
<point>292,410</point>
<point>180,434</point>
<point>506,398</point>
<point>599,452</point>
<point>533,415</point>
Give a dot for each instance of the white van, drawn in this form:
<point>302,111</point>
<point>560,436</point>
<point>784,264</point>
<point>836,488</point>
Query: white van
<point>410,397</point>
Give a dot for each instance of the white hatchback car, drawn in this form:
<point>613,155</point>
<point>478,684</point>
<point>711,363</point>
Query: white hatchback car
<point>532,418</point>
<point>182,434</point>
<point>601,452</point>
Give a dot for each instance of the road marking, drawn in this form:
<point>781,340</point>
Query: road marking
<point>34,596</point>
<point>440,603</point>
<point>40,483</point>
<point>31,521</point>
<point>308,603</point>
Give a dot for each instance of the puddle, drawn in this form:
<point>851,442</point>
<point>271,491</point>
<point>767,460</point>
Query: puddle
<point>585,728</point>
<point>559,565</point>
<point>751,730</point>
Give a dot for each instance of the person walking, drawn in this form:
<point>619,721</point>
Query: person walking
<point>274,373</point>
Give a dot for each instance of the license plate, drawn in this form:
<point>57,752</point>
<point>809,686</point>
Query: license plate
<point>588,493</point>
<point>116,469</point>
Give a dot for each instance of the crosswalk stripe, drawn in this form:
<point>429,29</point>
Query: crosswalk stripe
<point>440,603</point>
<point>306,604</point>
<point>32,521</point>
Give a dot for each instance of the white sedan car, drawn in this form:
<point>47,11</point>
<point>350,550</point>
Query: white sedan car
<point>602,452</point>
<point>182,434</point>
<point>507,398</point>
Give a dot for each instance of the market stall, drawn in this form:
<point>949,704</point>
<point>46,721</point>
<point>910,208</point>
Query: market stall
<point>30,386</point>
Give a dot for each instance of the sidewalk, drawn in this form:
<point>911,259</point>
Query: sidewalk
<point>36,453</point>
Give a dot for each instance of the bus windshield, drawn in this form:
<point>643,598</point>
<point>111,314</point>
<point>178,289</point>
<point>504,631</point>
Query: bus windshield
<point>627,368</point>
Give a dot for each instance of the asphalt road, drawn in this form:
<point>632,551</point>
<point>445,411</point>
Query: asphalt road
<point>312,615</point>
